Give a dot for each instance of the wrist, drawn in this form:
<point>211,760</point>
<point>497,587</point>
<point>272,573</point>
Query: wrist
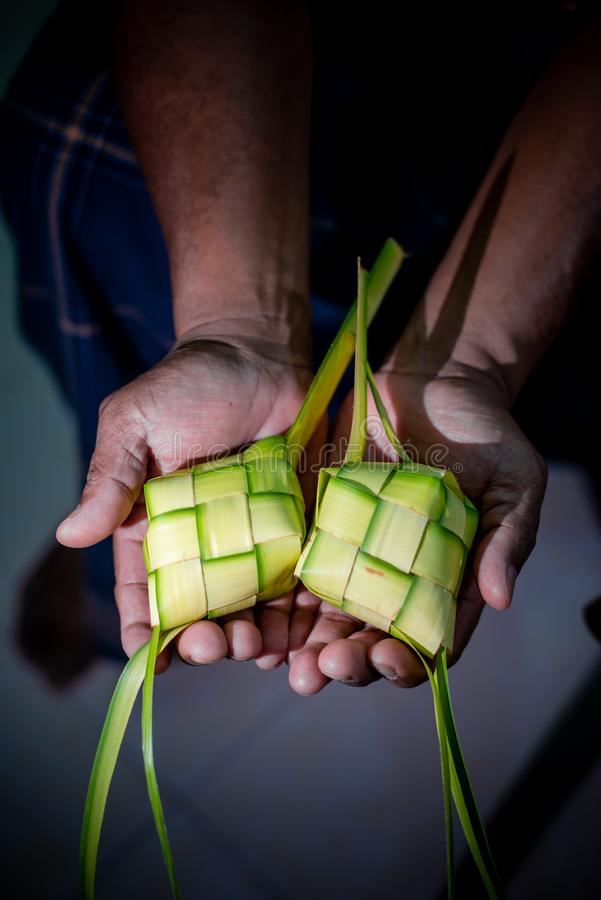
<point>282,334</point>
<point>240,298</point>
<point>474,360</point>
<point>248,338</point>
<point>421,356</point>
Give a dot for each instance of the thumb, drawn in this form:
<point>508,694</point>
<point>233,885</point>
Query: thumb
<point>115,477</point>
<point>509,524</point>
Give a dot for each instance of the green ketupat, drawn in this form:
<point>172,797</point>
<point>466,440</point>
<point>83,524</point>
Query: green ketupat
<point>389,545</point>
<point>400,535</point>
<point>221,536</point>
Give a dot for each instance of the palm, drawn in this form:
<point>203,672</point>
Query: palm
<point>204,398</point>
<point>460,423</point>
<point>456,422</point>
<point>212,397</point>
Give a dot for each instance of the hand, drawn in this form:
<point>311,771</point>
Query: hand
<point>204,394</point>
<point>465,411</point>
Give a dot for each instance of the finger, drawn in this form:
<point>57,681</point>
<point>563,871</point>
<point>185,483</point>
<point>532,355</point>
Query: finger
<point>397,663</point>
<point>202,643</point>
<point>301,623</point>
<point>115,477</point>
<point>131,588</point>
<point>132,600</point>
<point>401,666</point>
<point>273,620</point>
<point>509,522</point>
<point>302,620</point>
<point>305,676</point>
<point>346,660</point>
<point>469,610</point>
<point>242,635</point>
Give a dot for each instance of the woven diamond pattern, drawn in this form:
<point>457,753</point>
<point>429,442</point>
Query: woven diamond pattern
<point>389,546</point>
<point>219,539</point>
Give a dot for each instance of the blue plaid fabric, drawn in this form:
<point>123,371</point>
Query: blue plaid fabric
<point>94,295</point>
<point>93,274</point>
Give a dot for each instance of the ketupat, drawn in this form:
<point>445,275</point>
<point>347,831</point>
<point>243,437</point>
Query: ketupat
<point>221,536</point>
<point>400,535</point>
<point>224,537</point>
<point>388,545</point>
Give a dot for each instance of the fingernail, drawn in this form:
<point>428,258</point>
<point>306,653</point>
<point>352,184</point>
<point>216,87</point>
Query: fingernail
<point>389,674</point>
<point>67,520</point>
<point>269,662</point>
<point>512,574</point>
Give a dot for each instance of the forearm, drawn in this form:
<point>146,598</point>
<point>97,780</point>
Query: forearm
<point>511,273</point>
<point>216,98</point>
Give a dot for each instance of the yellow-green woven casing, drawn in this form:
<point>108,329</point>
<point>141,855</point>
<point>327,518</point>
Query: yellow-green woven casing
<point>389,546</point>
<point>223,535</point>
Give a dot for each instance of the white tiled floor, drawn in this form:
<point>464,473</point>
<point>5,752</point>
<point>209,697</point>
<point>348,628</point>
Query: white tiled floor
<point>269,795</point>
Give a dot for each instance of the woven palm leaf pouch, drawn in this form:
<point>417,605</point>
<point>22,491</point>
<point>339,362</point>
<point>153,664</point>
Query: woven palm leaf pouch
<point>389,545</point>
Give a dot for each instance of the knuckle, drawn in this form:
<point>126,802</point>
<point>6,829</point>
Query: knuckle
<point>107,405</point>
<point>125,410</point>
<point>95,472</point>
<point>123,467</point>
<point>128,492</point>
<point>118,407</point>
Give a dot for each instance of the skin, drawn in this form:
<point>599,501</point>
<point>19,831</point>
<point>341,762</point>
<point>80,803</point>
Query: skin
<point>231,196</point>
<point>232,200</point>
